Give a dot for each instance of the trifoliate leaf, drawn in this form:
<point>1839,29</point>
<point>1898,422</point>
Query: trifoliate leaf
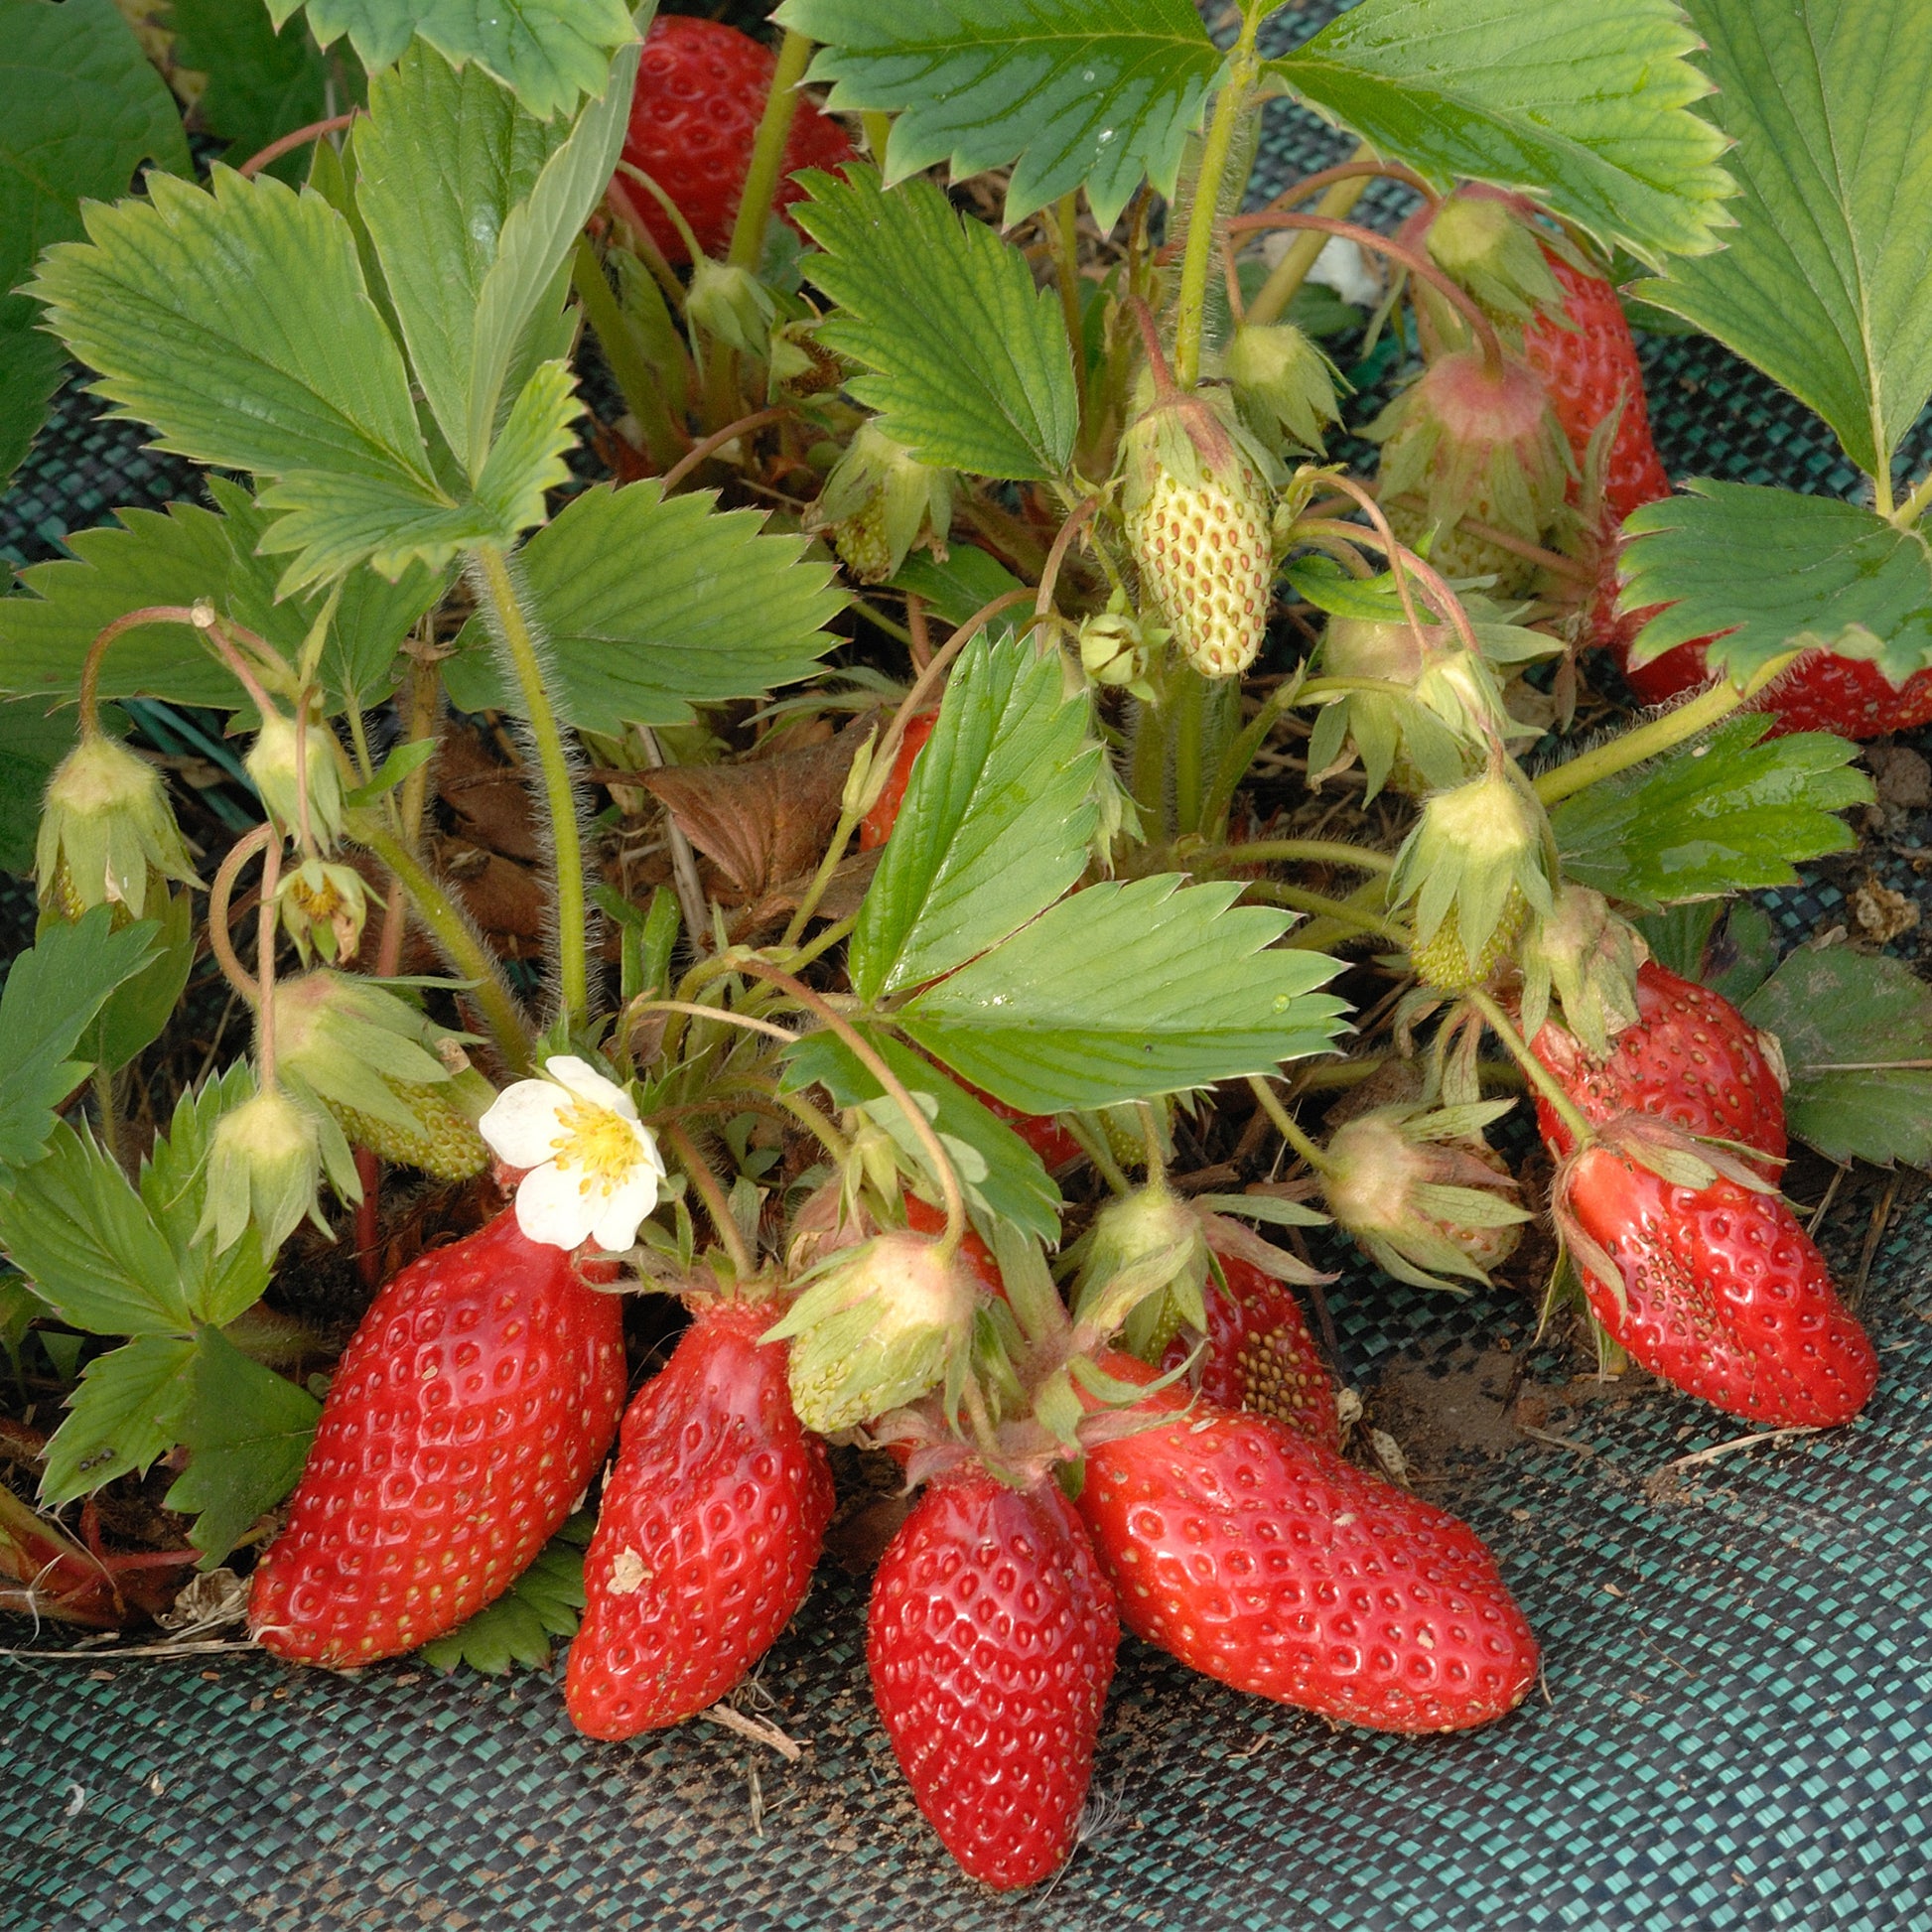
<point>125,1412</point>
<point>1586,108</point>
<point>1823,283</point>
<point>52,994</point>
<point>973,371</point>
<point>548,51</point>
<point>995,824</point>
<point>1008,1182</point>
<point>651,605</point>
<point>180,556</point>
<point>1726,814</point>
<point>247,1432</point>
<point>1776,571</point>
<point>521,1626</point>
<point>1074,92</point>
<point>1857,1034</point>
<point>1124,991</point>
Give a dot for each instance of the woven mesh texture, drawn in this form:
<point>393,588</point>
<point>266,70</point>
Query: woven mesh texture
<point>1736,1733</point>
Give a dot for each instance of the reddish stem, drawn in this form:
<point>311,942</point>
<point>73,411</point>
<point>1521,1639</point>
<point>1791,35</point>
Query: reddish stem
<point>275,150</point>
<point>368,1219</point>
<point>1299,191</point>
<point>694,455</point>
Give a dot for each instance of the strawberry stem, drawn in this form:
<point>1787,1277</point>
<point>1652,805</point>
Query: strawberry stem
<point>724,1223</point>
<point>1286,1127</point>
<point>315,130</point>
<point>1309,852</point>
<point>712,444</point>
<point>220,893</point>
<point>1203,216</point>
<point>1660,735</point>
<point>1539,1076</point>
<point>768,152</point>
<point>90,664</point>
<point>491,574</point>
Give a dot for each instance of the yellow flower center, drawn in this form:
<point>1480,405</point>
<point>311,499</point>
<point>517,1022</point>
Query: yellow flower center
<point>598,1141</point>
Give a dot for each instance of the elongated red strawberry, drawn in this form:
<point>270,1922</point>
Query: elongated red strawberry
<point>1718,1290</point>
<point>877,825</point>
<point>1263,1560</point>
<point>469,1410</point>
<point>991,1642</point>
<point>1690,1057</point>
<point>694,119</point>
<point>1261,1356</point>
<point>711,1522</point>
<point>1822,692</point>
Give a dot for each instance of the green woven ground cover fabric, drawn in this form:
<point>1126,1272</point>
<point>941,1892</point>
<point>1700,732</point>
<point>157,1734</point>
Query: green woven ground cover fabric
<point>1736,1733</point>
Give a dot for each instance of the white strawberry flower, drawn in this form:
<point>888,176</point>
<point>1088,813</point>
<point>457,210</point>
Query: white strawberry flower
<point>593,1169</point>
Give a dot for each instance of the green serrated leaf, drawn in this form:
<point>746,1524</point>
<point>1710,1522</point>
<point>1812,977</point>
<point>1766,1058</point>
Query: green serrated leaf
<point>1846,1021</point>
<point>54,992</point>
<point>247,1432</point>
<point>1775,571</point>
<point>1823,283</point>
<point>972,365</point>
<point>30,368</point>
<point>995,825</point>
<point>1073,92</point>
<point>176,558</point>
<point>471,203</point>
<point>33,741</point>
<point>653,606</point>
<point>125,1412</point>
<point>1125,991</point>
<point>549,52</point>
<point>520,1627</point>
<point>1585,107</point>
<point>237,322</point>
<point>1723,815</point>
<point>142,1004</point>
<point>1015,1187</point>
<point>78,1230</point>
<point>261,83</point>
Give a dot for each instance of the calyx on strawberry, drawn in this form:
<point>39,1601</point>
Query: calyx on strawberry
<point>1260,1355</point>
<point>469,1410</point>
<point>879,501</point>
<point>107,835</point>
<point>1197,523</point>
<point>1689,1057</point>
<point>1477,864</point>
<point>1422,1193</point>
<point>711,1522</point>
<point>1471,438</point>
<point>1480,238</point>
<point>1714,1287</point>
<point>990,1641</point>
<point>1284,386</point>
<point>1263,1560</point>
<point>694,119</point>
<point>1583,955</point>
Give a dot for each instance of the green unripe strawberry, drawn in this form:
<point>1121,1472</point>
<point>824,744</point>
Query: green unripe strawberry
<point>108,834</point>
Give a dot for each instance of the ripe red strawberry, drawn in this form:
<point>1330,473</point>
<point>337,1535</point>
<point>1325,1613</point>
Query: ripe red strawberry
<point>1043,1132</point>
<point>468,1414</point>
<point>1263,1560</point>
<point>711,1522</point>
<point>1690,1057</point>
<point>877,825</point>
<point>1260,1355</point>
<point>1822,692</point>
<point>694,118</point>
<point>991,1642</point>
<point>1722,1292</point>
<point>1591,369</point>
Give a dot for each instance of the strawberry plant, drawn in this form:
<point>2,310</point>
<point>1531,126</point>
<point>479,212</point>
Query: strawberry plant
<point>886,895</point>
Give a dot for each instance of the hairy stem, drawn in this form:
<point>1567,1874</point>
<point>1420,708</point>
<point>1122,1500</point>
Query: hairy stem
<point>1660,735</point>
<point>1311,852</point>
<point>1203,217</point>
<point>768,152</point>
<point>1284,1126</point>
<point>220,893</point>
<point>1541,1079</point>
<point>265,962</point>
<point>715,1205</point>
<point>90,664</point>
<point>492,579</point>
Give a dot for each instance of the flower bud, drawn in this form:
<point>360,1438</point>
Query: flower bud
<point>732,306</point>
<point>1146,1266</point>
<point>1284,386</point>
<point>1117,647</point>
<point>876,1330</point>
<point>106,834</point>
<point>272,764</point>
<point>264,1169</point>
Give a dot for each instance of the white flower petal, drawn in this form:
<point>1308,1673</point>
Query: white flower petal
<point>587,1083</point>
<point>648,1152</point>
<point>620,1212</point>
<point>552,1207</point>
<point>522,1122</point>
